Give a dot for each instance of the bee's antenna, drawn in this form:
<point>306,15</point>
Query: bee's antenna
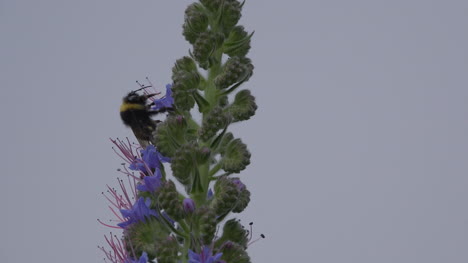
<point>149,81</point>
<point>142,86</point>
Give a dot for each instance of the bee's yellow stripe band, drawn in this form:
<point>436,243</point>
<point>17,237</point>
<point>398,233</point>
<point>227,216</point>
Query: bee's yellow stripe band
<point>131,106</point>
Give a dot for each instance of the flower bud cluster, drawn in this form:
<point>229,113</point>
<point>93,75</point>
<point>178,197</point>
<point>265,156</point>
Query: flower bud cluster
<point>237,70</point>
<point>186,160</point>
<point>230,195</point>
<point>215,120</point>
<point>196,22</point>
<point>169,201</point>
<point>185,79</point>
<point>160,221</point>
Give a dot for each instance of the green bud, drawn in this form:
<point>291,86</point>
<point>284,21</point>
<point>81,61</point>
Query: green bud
<point>207,224</point>
<point>231,15</point>
<point>186,160</point>
<point>205,46</point>
<point>237,43</point>
<point>215,120</point>
<point>196,21</point>
<point>223,101</point>
<point>236,71</point>
<point>183,100</point>
<point>186,81</point>
<point>225,197</point>
<point>170,202</point>
<point>184,64</point>
<point>243,107</point>
<point>227,138</point>
<point>169,134</point>
<point>235,157</point>
<point>234,232</point>
<point>242,202</point>
<point>168,250</point>
<point>172,133</point>
<point>233,252</point>
<point>145,236</point>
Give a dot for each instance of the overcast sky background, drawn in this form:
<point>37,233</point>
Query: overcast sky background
<point>359,146</point>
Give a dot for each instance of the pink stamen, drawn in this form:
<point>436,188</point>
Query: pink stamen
<point>126,150</point>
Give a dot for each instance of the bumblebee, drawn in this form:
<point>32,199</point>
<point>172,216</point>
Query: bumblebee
<point>136,113</point>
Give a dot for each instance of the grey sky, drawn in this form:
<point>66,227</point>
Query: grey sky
<point>359,144</point>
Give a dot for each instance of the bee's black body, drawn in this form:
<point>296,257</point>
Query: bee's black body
<point>136,113</point>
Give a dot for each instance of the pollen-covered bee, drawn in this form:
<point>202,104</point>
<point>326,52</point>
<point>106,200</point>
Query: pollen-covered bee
<point>136,113</point>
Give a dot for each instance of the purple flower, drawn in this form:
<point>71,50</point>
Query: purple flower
<point>143,259</point>
<point>204,257</point>
<point>138,213</point>
<point>150,158</point>
<point>189,205</point>
<point>165,102</point>
<point>151,183</point>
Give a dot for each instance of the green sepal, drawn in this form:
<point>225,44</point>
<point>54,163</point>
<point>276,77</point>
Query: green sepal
<point>196,186</point>
<point>215,143</point>
<point>203,104</point>
<point>238,42</point>
<point>235,232</point>
<point>243,107</point>
<point>226,139</point>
